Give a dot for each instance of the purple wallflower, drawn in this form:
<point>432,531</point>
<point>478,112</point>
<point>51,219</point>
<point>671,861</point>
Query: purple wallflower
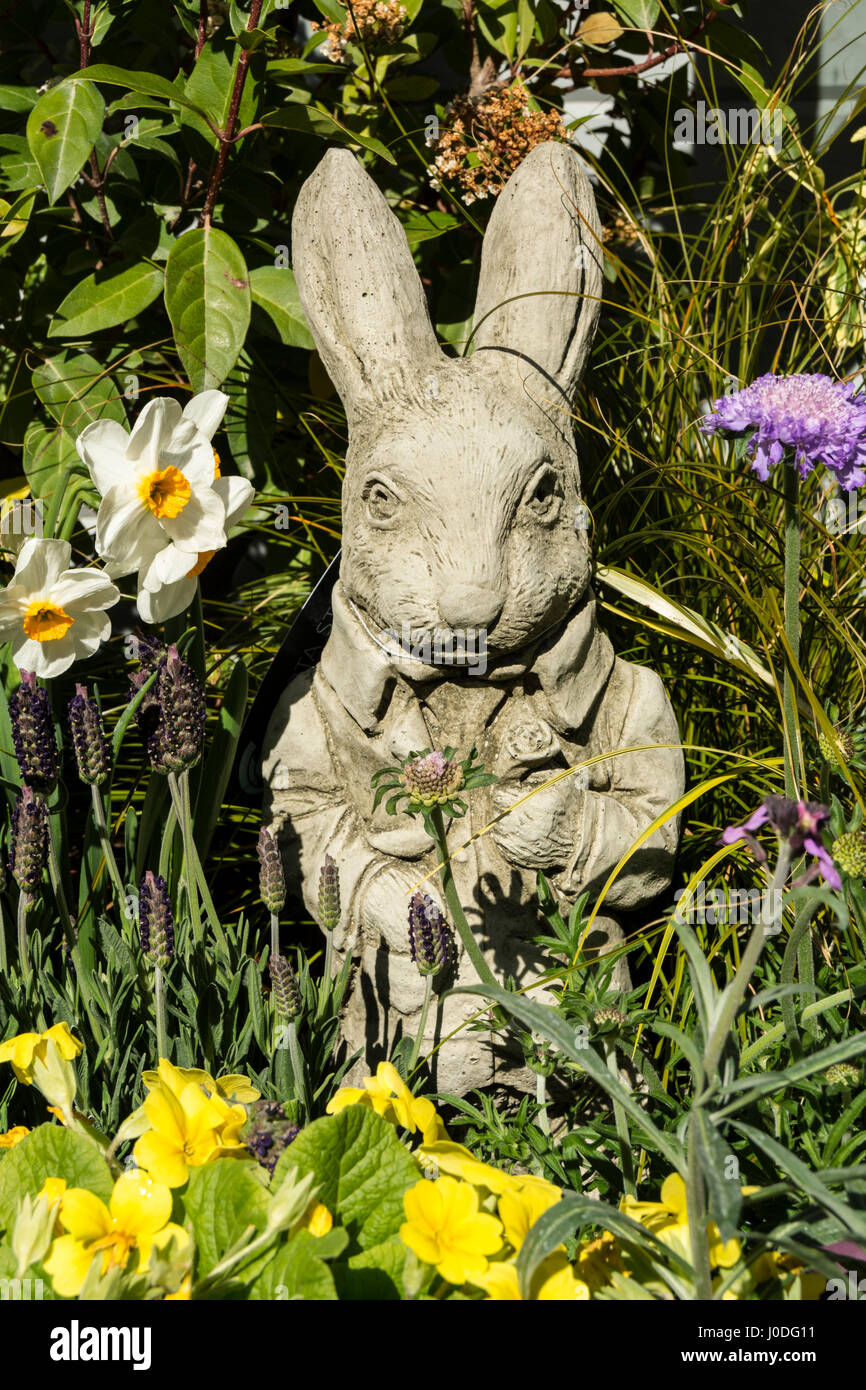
<point>798,824</point>
<point>821,420</point>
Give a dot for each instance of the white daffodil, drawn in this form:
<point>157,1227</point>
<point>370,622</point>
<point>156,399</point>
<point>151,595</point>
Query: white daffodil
<point>51,614</point>
<point>165,509</point>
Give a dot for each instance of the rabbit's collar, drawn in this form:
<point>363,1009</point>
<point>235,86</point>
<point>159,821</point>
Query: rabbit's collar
<point>571,665</point>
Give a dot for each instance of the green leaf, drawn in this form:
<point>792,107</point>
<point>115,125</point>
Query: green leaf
<point>314,120</point>
<point>211,85</point>
<point>207,295</point>
<point>809,1182</point>
<point>362,1170</point>
<point>297,1272</point>
<point>499,27</point>
<point>640,14</point>
<point>273,289</point>
<point>48,452</point>
<point>222,1199</point>
<point>50,1152</point>
<point>725,1197</point>
<point>146,83</point>
<point>17,98</point>
<point>77,391</point>
<point>62,129</point>
<point>102,301</point>
<point>220,757</point>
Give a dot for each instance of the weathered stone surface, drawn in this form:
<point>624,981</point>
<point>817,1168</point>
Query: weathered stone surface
<point>462,512</point>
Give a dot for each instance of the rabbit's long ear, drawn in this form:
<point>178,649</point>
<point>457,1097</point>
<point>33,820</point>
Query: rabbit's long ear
<point>544,235</point>
<point>358,284</point>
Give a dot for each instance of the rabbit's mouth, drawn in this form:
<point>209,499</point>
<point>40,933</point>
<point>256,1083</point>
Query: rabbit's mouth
<point>426,647</point>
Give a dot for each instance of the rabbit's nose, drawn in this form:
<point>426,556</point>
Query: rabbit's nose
<point>469,605</point>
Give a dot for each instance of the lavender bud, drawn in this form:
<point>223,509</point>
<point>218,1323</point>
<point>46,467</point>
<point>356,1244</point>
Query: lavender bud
<point>88,740</point>
<point>155,921</point>
<point>329,894</point>
<point>33,733</point>
<point>171,717</point>
<point>272,884</point>
<point>29,854</point>
<point>268,1132</point>
<point>428,935</point>
<point>285,989</point>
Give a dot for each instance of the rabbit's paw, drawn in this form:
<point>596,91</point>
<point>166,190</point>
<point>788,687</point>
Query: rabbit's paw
<point>543,833</point>
<point>385,906</point>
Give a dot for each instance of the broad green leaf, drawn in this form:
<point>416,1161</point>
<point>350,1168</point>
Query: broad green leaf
<point>17,98</point>
<point>77,391</point>
<point>297,1272</point>
<point>207,295</point>
<point>62,129</point>
<point>14,217</point>
<point>499,27</point>
<point>221,1200</point>
<point>362,1168</point>
<point>376,1273</point>
<point>50,1152</point>
<point>640,14</point>
<point>600,29</point>
<point>314,120</point>
<point>210,87</point>
<point>48,453</point>
<point>146,83</point>
<point>273,289</point>
<point>103,301</point>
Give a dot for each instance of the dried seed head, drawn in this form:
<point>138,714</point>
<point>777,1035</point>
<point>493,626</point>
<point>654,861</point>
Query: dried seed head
<point>33,734</point>
<point>845,742</point>
<point>29,849</point>
<point>329,894</point>
<point>92,753</point>
<point>155,921</point>
<point>285,989</point>
<point>272,883</point>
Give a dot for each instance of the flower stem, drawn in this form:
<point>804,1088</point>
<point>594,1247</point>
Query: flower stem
<point>23,945</point>
<point>160,1013</point>
<point>458,916</point>
<point>275,935</point>
<point>181,806</point>
<point>298,1069</point>
<point>541,1097</point>
<point>108,852</point>
<point>86,983</point>
<point>792,625</point>
<point>4,960</point>
<point>204,890</point>
<point>422,1024</point>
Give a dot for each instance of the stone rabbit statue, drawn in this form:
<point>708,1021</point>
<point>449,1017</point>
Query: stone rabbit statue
<point>462,514</point>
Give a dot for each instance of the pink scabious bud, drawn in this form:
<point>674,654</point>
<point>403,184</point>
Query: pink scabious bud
<point>92,752</point>
<point>433,779</point>
<point>29,849</point>
<point>33,734</point>
<point>272,883</point>
<point>329,894</point>
<point>155,920</point>
<point>429,937</point>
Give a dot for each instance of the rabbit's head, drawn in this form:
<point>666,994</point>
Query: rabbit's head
<point>461,502</point>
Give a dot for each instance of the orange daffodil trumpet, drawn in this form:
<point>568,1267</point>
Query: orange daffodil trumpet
<point>51,614</point>
<point>165,508</point>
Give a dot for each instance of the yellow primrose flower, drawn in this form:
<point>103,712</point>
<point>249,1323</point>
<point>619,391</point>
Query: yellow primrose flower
<point>185,1132</point>
<point>598,1259</point>
<point>668,1219</point>
<point>138,1210</point>
<point>445,1228</point>
<point>320,1221</point>
<point>457,1161</point>
<point>13,1136</point>
<point>553,1282</point>
<point>232,1087</point>
<point>45,1059</point>
<point>519,1211</point>
<point>390,1097</point>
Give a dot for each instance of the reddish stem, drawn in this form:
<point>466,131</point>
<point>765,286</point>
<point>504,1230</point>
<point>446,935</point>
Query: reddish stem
<point>225,136</point>
<point>634,69</point>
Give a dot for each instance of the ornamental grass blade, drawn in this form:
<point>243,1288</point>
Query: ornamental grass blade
<point>809,1182</point>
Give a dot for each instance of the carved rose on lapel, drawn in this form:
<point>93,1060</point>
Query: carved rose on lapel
<point>528,743</point>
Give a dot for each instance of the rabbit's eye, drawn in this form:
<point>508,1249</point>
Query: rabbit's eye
<point>544,494</point>
<point>382,504</point>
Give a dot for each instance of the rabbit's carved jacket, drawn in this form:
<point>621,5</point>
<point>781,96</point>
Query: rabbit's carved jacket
<point>565,701</point>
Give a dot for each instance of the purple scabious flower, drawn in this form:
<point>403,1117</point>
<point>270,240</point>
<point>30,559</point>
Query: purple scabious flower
<point>798,825</point>
<point>818,419</point>
<point>429,942</point>
<point>33,733</point>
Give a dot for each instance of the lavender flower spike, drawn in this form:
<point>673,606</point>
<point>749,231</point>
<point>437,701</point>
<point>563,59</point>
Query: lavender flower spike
<point>155,920</point>
<point>819,420</point>
<point>88,740</point>
<point>33,733</point>
<point>29,848</point>
<point>429,937</point>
